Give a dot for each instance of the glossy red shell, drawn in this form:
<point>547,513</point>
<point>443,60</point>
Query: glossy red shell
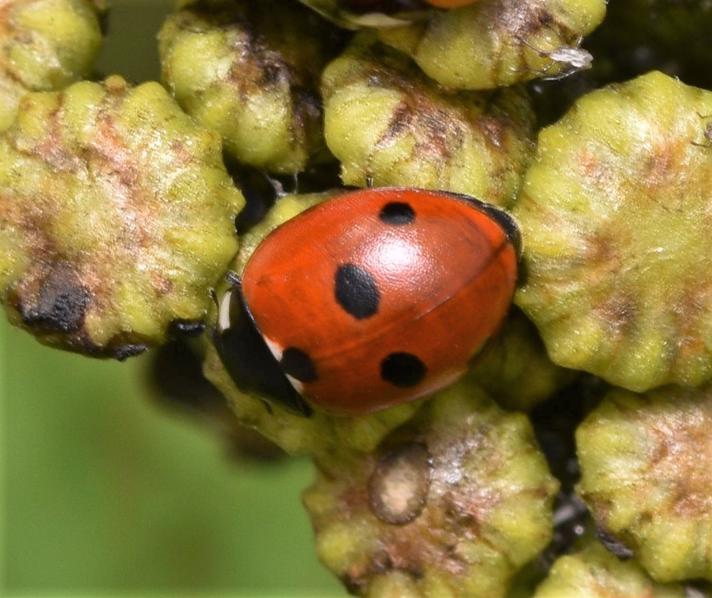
<point>376,273</point>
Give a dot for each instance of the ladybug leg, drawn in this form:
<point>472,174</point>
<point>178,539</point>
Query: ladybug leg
<point>246,356</point>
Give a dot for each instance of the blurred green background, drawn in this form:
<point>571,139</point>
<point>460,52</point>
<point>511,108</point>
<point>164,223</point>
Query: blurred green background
<point>105,493</point>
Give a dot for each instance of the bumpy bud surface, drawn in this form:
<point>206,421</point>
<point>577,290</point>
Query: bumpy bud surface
<point>494,43</point>
<point>250,71</point>
<point>593,572</point>
<point>514,369</point>
<point>44,45</point>
<point>645,463</point>
<point>116,216</point>
<point>616,213</point>
<point>389,124</point>
<point>453,504</point>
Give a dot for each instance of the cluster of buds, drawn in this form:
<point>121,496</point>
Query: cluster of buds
<point>572,458</point>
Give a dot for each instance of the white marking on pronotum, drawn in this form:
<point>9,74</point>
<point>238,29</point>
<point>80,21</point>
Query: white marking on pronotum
<point>224,311</point>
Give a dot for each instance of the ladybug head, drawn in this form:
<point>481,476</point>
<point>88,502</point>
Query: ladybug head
<point>247,357</point>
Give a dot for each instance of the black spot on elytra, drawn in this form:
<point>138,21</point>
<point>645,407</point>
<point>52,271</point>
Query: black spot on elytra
<point>397,213</point>
<point>402,369</point>
<point>298,364</point>
<point>356,291</point>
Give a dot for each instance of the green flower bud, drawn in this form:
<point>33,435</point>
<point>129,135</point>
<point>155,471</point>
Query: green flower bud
<point>452,504</point>
<point>593,572</point>
<point>45,45</point>
<point>495,43</point>
<point>646,476</point>
<point>614,215</point>
<point>116,217</point>
<point>389,124</point>
<point>514,368</point>
<point>250,71</point>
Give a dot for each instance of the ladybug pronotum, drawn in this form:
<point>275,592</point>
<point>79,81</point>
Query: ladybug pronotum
<point>370,299</point>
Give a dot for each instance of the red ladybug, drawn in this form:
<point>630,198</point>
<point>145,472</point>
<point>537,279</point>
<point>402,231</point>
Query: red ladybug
<point>370,299</point>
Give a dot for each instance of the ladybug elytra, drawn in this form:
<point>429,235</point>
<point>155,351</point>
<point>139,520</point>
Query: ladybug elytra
<point>370,299</point>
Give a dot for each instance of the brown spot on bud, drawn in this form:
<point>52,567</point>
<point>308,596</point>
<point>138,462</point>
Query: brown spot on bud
<point>123,352</point>
<point>59,302</point>
<point>398,487</point>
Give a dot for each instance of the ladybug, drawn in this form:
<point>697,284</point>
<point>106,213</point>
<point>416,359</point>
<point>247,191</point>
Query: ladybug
<point>372,298</point>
